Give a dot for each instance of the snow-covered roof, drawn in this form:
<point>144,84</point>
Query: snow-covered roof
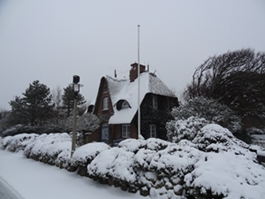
<point>123,89</point>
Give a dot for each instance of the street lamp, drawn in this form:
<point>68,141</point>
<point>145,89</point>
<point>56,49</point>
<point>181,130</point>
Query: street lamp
<point>76,89</point>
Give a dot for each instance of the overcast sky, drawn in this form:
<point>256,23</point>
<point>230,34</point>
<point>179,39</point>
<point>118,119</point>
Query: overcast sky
<point>52,40</point>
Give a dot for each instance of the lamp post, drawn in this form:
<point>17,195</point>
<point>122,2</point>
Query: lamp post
<point>76,89</point>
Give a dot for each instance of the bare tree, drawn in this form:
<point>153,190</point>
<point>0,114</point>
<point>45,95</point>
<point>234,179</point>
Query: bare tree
<point>236,79</point>
<point>57,97</point>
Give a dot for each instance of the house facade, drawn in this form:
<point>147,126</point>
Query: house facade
<point>116,106</point>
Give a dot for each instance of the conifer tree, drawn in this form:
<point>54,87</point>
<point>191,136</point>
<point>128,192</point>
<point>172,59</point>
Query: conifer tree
<point>35,105</point>
<point>68,99</point>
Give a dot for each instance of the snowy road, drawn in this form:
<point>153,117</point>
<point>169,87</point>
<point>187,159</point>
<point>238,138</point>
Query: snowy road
<point>7,192</point>
<point>33,180</point>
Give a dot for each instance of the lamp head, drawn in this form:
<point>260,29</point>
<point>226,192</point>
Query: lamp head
<point>76,79</point>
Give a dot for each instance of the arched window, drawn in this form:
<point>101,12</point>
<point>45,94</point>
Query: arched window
<point>90,108</point>
<point>121,104</point>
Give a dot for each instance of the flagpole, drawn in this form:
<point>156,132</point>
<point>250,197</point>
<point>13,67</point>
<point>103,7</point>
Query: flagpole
<point>139,111</point>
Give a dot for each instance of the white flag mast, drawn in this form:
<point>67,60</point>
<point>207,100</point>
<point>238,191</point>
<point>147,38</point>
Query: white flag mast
<point>139,112</point>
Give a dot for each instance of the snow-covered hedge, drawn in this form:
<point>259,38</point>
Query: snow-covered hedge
<point>84,155</point>
<point>184,128</point>
<point>18,142</point>
<point>211,164</point>
<point>257,136</point>
<point>211,110</point>
<point>50,148</point>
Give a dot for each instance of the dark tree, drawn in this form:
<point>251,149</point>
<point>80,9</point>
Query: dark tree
<point>37,99</point>
<point>18,111</point>
<point>236,79</point>
<point>68,99</point>
<point>34,107</point>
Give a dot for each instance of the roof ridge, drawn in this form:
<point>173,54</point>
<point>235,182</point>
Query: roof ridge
<point>116,79</point>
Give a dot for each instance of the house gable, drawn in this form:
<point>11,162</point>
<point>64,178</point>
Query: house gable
<point>103,101</point>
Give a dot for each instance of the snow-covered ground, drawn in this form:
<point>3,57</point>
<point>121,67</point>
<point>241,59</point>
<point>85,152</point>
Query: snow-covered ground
<point>34,180</point>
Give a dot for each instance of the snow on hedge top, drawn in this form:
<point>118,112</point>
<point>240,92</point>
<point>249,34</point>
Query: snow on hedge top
<point>115,162</point>
<point>213,137</point>
<point>18,142</point>
<point>87,152</point>
<point>228,174</point>
<point>51,144</point>
<point>125,90</point>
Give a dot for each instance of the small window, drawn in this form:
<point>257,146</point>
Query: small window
<point>152,131</point>
<point>105,103</point>
<point>122,104</point>
<point>105,133</point>
<point>154,101</point>
<point>126,130</point>
<point>90,108</point>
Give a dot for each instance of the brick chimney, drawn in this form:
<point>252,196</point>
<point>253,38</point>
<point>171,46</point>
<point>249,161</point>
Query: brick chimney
<point>134,71</point>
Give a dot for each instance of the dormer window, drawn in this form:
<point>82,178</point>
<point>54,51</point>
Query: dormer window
<point>105,103</point>
<point>154,100</point>
<point>122,104</point>
<point>90,108</point>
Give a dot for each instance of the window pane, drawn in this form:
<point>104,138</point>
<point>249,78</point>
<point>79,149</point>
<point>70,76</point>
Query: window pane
<point>154,101</point>
<point>126,131</point>
<point>105,103</point>
<point>152,131</point>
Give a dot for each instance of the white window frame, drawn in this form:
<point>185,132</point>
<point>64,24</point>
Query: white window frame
<point>126,131</point>
<point>152,128</point>
<point>154,100</point>
<point>105,105</point>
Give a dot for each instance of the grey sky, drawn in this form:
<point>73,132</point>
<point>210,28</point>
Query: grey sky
<point>52,40</point>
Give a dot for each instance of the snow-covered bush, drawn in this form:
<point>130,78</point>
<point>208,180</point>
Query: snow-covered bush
<point>213,137</point>
<point>227,168</point>
<point>184,128</point>
<point>116,163</point>
<point>12,130</point>
<point>209,109</point>
<point>87,123</point>
<point>173,160</point>
<point>18,142</point>
<point>257,136</point>
<point>86,153</point>
<point>228,175</point>
<point>132,145</point>
<point>1,143</point>
<point>47,148</point>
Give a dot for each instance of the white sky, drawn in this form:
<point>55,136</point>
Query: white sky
<point>52,40</point>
